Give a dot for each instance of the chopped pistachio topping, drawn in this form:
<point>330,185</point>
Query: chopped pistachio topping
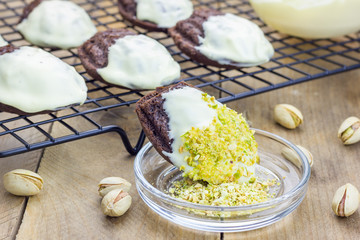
<point>224,194</point>
<point>221,151</point>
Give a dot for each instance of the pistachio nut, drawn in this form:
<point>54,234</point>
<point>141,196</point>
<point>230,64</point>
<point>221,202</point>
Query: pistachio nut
<point>346,200</point>
<point>115,203</point>
<point>349,131</point>
<point>22,182</point>
<point>293,157</point>
<point>111,183</point>
<point>288,116</point>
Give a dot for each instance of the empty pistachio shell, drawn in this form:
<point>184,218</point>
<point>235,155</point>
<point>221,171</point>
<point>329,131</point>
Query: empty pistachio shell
<point>293,157</point>
<point>349,131</point>
<point>111,183</point>
<point>346,200</point>
<point>22,182</point>
<point>115,203</point>
<point>288,116</point>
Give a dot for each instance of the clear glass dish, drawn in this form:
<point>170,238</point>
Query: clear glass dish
<point>154,176</point>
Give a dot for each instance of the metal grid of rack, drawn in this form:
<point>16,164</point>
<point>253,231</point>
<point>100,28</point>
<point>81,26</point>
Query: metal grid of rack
<point>296,60</point>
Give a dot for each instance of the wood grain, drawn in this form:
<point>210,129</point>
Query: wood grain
<point>325,104</point>
<point>69,205</point>
<point>11,207</point>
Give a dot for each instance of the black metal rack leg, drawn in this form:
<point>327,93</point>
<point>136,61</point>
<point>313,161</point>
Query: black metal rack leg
<point>127,144</point>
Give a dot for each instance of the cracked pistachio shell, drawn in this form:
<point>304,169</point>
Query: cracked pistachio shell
<point>115,203</point>
<point>346,200</point>
<point>288,116</point>
<point>23,182</point>
<point>349,131</point>
<point>111,183</point>
<point>293,157</point>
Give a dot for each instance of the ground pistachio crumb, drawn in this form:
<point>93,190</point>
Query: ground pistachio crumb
<point>224,194</point>
<point>223,151</point>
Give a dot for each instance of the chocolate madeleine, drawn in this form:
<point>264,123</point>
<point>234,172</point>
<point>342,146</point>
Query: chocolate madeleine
<point>119,57</point>
<point>127,9</point>
<point>221,40</point>
<point>154,120</point>
<point>4,107</point>
<point>199,135</point>
<point>55,24</point>
<point>186,36</point>
<point>32,81</point>
<point>94,52</point>
<point>155,15</point>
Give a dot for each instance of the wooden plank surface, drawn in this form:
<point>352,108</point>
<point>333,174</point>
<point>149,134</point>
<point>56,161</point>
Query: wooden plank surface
<point>325,104</point>
<point>12,207</point>
<point>69,206</point>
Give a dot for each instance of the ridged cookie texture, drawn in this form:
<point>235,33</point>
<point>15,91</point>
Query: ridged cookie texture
<point>94,52</point>
<point>154,120</point>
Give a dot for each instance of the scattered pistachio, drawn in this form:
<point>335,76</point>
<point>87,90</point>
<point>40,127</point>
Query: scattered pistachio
<point>115,203</point>
<point>349,131</point>
<point>111,183</point>
<point>346,200</point>
<point>23,182</point>
<point>288,116</point>
<point>293,157</point>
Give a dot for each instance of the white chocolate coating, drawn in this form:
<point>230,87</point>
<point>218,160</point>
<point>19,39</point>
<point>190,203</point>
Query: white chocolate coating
<point>33,80</point>
<point>165,13</point>
<point>55,23</point>
<point>3,42</point>
<point>309,18</point>
<point>139,62</point>
<point>234,40</point>
<point>185,108</point>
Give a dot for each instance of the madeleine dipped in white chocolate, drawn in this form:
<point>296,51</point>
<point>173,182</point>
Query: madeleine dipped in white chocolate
<point>202,137</point>
<point>34,81</point>
<point>222,40</point>
<point>56,24</point>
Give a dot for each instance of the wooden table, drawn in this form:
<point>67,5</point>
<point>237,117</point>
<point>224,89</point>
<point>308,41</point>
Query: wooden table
<point>69,205</point>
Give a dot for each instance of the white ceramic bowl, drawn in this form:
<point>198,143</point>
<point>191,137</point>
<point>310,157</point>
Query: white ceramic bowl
<point>310,18</point>
<point>154,176</point>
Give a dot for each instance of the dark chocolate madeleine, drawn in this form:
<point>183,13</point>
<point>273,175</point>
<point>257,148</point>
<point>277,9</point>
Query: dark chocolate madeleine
<point>127,9</point>
<point>119,57</point>
<point>186,36</point>
<point>55,24</point>
<point>94,52</point>
<point>155,15</point>
<point>32,81</point>
<point>221,40</point>
<point>154,119</point>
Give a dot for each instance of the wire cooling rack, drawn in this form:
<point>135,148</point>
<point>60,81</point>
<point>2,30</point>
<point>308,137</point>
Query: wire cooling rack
<point>296,60</point>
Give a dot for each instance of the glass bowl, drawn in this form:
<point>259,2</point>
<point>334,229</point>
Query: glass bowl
<point>154,176</point>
